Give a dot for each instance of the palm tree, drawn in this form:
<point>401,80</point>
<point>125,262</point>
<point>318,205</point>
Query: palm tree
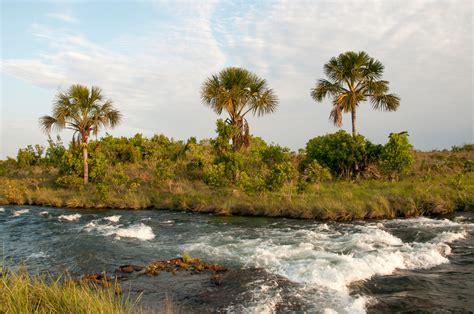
<point>238,92</point>
<point>84,112</point>
<point>354,78</point>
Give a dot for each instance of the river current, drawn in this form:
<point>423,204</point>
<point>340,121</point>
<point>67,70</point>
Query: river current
<point>279,265</point>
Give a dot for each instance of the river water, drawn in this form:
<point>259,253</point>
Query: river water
<point>277,265</point>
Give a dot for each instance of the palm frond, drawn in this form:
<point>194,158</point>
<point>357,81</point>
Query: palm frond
<point>387,102</point>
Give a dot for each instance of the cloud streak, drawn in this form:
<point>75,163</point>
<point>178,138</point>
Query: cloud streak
<point>155,76</point>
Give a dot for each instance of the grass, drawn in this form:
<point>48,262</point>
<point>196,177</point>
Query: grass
<point>22,293</point>
<point>438,183</point>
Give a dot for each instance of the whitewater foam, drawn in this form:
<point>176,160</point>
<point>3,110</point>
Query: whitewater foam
<point>330,258</point>
<point>2,210</point>
<point>20,212</point>
<point>72,217</point>
<point>115,218</point>
<point>44,213</point>
<point>138,231</point>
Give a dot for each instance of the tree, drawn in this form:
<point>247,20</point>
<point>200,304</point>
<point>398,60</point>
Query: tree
<point>238,92</point>
<point>354,78</point>
<point>84,112</point>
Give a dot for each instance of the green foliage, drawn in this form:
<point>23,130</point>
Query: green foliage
<point>97,166</point>
<point>315,173</point>
<point>165,170</point>
<point>252,184</point>
<point>29,156</point>
<point>71,162</point>
<point>225,132</point>
<point>69,181</point>
<point>275,154</point>
<point>397,154</point>
<point>464,148</point>
<point>215,176</point>
<point>469,165</point>
<point>55,151</point>
<point>279,175</point>
<point>339,152</point>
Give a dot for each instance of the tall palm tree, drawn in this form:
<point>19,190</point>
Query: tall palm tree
<point>238,92</point>
<point>354,78</point>
<point>84,112</point>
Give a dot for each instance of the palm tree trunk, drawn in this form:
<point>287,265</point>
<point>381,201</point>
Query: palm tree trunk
<point>354,134</point>
<point>86,163</point>
<point>354,117</point>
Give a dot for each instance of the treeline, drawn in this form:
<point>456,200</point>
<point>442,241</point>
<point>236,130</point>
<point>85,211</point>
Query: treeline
<point>261,167</point>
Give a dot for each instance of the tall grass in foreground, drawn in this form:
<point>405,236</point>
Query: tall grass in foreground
<point>23,293</point>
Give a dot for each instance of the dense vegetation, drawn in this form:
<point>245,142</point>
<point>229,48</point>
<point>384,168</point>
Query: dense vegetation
<point>337,176</point>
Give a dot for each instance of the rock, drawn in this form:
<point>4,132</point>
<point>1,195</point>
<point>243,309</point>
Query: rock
<point>216,279</point>
<point>127,269</point>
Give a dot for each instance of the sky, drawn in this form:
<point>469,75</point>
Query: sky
<point>151,58</point>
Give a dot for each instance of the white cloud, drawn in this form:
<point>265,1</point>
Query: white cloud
<point>155,77</point>
<point>63,17</point>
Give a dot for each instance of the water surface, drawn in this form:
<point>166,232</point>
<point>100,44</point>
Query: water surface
<point>279,265</point>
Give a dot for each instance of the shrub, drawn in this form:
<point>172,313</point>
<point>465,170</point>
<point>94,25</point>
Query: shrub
<point>55,151</point>
<point>29,156</point>
<point>314,172</point>
<point>397,154</point>
<point>275,154</point>
<point>215,176</point>
<point>165,170</point>
<point>339,152</point>
<point>279,175</point>
<point>252,184</point>
<point>69,180</point>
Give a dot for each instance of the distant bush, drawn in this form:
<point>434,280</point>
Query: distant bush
<point>339,152</point>
<point>465,147</point>
<point>30,156</point>
<point>275,154</point>
<point>279,175</point>
<point>252,184</point>
<point>55,151</point>
<point>215,176</point>
<point>314,172</point>
<point>397,154</point>
<point>69,181</point>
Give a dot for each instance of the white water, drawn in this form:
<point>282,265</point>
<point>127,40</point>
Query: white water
<point>20,212</point>
<point>324,259</point>
<point>2,210</point>
<point>72,217</point>
<point>44,213</point>
<point>115,218</point>
<point>138,231</point>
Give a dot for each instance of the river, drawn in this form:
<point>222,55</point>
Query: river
<point>278,265</point>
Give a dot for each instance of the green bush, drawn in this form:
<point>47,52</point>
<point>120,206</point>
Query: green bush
<point>165,170</point>
<point>397,154</point>
<point>315,173</point>
<point>55,151</point>
<point>252,184</point>
<point>69,180</point>
<point>339,152</point>
<point>215,176</point>
<point>29,156</point>
<point>275,154</point>
<point>279,175</point>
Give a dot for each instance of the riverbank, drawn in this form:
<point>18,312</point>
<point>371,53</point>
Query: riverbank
<point>21,292</point>
<point>339,200</point>
<point>267,180</point>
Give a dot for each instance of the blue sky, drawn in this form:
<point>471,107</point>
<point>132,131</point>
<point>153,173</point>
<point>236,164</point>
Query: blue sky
<point>151,57</point>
